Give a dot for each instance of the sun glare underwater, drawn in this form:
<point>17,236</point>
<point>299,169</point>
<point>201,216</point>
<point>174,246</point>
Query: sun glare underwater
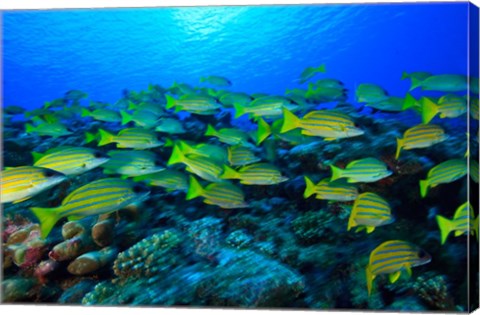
<point>303,156</point>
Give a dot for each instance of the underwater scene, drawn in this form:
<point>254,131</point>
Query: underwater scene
<point>316,157</point>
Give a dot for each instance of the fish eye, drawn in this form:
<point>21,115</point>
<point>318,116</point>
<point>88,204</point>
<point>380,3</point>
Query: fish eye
<point>49,173</point>
<point>158,163</point>
<point>99,154</point>
<point>422,254</point>
<point>138,189</point>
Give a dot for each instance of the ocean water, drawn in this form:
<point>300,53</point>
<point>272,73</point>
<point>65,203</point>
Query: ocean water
<point>234,220</point>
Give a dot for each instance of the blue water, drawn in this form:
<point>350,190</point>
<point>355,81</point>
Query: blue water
<point>260,49</point>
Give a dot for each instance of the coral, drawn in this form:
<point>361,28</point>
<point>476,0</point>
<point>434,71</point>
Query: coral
<point>17,289</point>
<point>149,257</point>
<point>244,278</point>
<point>103,232</point>
<point>24,246</point>
<point>44,268</point>
<point>92,261</point>
<point>314,226</point>
<point>432,289</point>
<point>77,241</point>
<point>75,293</point>
<point>206,234</point>
<point>239,239</point>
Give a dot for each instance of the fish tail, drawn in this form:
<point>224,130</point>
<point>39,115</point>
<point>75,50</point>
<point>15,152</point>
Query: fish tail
<point>336,172</point>
<point>210,131</point>
<point>86,112</point>
<point>446,227</point>
<point>399,147</point>
<point>37,156</point>
<point>263,131</point>
<point>195,189</point>
<point>169,143</point>
<point>89,137</point>
<point>321,68</point>
<point>415,83</point>
<point>177,156</point>
<point>229,173</point>
<point>310,188</point>
<point>132,105</point>
<point>170,101</point>
<point>429,110</point>
<point>126,117</point>
<point>47,104</point>
<point>405,75</point>
<point>475,227</point>
<point>239,110</point>
<point>29,128</point>
<point>105,137</point>
<point>48,217</point>
<point>424,187</point>
<point>369,276</point>
<point>409,101</point>
<point>290,121</point>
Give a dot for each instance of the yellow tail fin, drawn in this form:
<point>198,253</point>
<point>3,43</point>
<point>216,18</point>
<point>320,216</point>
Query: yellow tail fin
<point>446,227</point>
<point>399,148</point>
<point>290,121</point>
<point>429,110</point>
<point>48,217</point>
<point>194,190</point>
<point>105,137</point>
<point>424,187</point>
<point>336,172</point>
<point>310,188</point>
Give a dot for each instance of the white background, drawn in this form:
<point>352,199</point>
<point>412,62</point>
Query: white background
<point>68,310</point>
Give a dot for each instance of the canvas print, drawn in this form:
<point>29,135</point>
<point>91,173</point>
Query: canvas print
<point>320,157</point>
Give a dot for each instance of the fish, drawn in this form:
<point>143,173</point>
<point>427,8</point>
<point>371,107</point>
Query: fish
<point>102,196</point>
<point>463,222</point>
<point>310,72</point>
<point>328,124</point>
<point>365,170</point>
<point>369,211</point>
<point>75,95</point>
<point>216,80</point>
<point>193,103</point>
<point>71,160</point>
<point>102,114</point>
<point>265,106</point>
<point>225,195</point>
<point>239,155</point>
<point>474,85</point>
<point>474,113</point>
<point>370,93</point>
<point>132,163</point>
<point>420,136</point>
<point>130,138</point>
<point>56,103</point>
<point>230,98</point>
<point>171,180</point>
<point>142,118</point>
<point>474,170</point>
<point>443,173</point>
<point>419,75</point>
<point>23,182</point>
<point>13,110</point>
<point>213,152</point>
<point>264,130</point>
<point>323,94</point>
<point>229,136</point>
<point>170,125</point>
<point>448,106</point>
<point>328,83</point>
<point>156,109</point>
<point>393,258</point>
<point>442,83</point>
<point>255,174</point>
<point>54,130</point>
<point>199,165</point>
<point>391,104</point>
<point>328,190</point>
<point>181,89</point>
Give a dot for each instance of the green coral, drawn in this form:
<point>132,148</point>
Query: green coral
<point>313,227</point>
<point>432,289</point>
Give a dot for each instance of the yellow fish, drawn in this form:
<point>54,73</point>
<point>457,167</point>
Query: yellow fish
<point>131,138</point>
<point>364,170</point>
<point>255,174</point>
<point>463,222</point>
<point>225,195</point>
<point>443,173</point>
<point>369,211</point>
<point>328,190</point>
<point>420,136</point>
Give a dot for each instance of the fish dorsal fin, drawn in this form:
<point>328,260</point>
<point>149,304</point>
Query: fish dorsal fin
<point>393,277</point>
<point>370,229</point>
<point>364,161</point>
<point>458,233</point>
<point>20,200</point>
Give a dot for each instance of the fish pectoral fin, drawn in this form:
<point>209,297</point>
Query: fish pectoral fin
<point>370,229</point>
<point>329,139</point>
<point>124,176</point>
<point>359,229</point>
<point>393,277</point>
<point>408,269</point>
<point>458,233</point>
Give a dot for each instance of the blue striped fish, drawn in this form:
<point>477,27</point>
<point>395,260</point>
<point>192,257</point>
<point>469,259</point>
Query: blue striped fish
<point>132,163</point>
<point>474,170</point>
<point>392,258</point>
<point>229,136</point>
<point>474,113</point>
<point>255,174</point>
<point>448,106</point>
<point>71,160</point>
<point>196,164</point>
<point>130,138</point>
<point>328,124</point>
<point>225,195</point>
<point>420,136</point>
<point>370,93</point>
<point>239,155</point>
<point>142,118</point>
<point>463,222</point>
<point>171,180</point>
<point>210,151</point>
<point>23,182</point>
<point>443,173</point>
<point>364,170</point>
<point>369,211</point>
<point>328,190</point>
<point>102,114</point>
<point>442,82</point>
<point>194,103</point>
<point>265,106</point>
<point>98,197</point>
